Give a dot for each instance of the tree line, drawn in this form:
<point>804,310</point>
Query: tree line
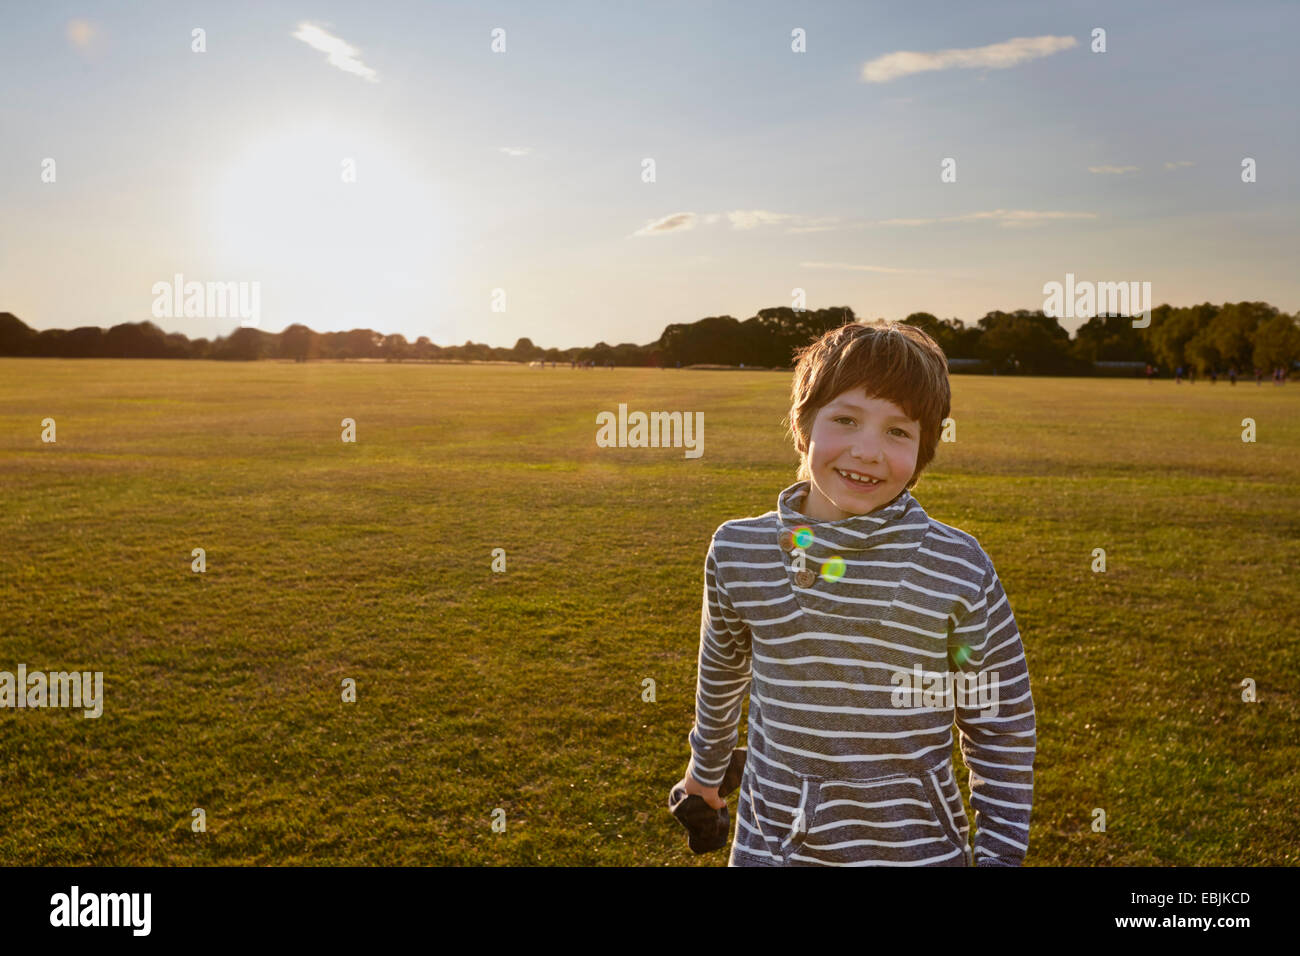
<point>1205,337</point>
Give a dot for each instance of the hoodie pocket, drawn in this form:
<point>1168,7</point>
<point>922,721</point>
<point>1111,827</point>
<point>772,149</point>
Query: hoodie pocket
<point>894,820</point>
<point>942,791</point>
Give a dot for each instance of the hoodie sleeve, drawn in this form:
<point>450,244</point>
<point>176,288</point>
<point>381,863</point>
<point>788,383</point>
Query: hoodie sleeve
<point>996,725</point>
<point>724,676</point>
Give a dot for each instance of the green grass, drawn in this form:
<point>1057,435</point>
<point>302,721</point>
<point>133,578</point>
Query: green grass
<point>522,690</point>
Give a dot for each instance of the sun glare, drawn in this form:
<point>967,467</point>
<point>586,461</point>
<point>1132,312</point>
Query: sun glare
<point>333,224</point>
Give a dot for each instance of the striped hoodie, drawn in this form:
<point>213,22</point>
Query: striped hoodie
<point>850,760</point>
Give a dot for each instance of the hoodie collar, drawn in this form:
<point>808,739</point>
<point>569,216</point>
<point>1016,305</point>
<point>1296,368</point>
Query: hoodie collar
<point>901,522</point>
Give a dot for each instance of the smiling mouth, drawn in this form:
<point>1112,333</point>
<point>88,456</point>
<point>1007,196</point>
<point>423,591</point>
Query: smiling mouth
<point>862,482</point>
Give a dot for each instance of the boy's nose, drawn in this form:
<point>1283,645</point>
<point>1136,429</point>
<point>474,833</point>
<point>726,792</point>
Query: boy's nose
<point>865,452</point>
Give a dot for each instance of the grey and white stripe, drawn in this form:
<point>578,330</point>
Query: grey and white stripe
<point>837,775</point>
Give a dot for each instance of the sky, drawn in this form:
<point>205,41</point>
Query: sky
<point>504,193</point>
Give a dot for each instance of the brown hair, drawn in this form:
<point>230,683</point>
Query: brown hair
<point>891,360</point>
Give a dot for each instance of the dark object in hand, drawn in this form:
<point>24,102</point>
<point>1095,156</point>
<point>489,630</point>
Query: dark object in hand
<point>706,826</point>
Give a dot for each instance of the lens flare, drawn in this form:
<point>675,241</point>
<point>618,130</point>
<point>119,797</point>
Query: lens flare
<point>803,537</point>
<point>833,569</point>
<point>961,655</point>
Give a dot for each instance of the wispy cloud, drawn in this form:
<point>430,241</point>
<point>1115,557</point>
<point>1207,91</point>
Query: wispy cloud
<point>341,53</point>
<point>852,267</point>
<point>740,219</point>
<point>746,219</point>
<point>996,56</point>
<point>515,150</point>
<point>676,222</point>
<point>1112,169</point>
<point>907,222</point>
<point>1014,218</point>
<point>800,229</point>
<point>1179,162</point>
<point>1007,218</point>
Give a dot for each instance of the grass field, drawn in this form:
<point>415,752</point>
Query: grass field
<point>522,690</point>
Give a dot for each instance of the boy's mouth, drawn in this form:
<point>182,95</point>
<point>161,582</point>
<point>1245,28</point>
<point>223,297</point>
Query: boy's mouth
<point>858,480</point>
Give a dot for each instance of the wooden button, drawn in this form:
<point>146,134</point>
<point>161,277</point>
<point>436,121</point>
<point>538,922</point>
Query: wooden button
<point>787,541</point>
<point>804,578</point>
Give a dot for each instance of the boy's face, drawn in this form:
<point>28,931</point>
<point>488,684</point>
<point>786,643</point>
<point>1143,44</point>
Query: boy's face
<point>870,436</point>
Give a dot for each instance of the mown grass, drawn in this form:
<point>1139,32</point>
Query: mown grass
<point>522,690</point>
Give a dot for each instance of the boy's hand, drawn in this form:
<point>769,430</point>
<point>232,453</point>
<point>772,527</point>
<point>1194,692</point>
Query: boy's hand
<point>709,794</point>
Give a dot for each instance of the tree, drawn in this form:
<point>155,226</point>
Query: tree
<point>299,343</point>
<point>1033,339</point>
<point>244,344</point>
<point>15,335</point>
<point>359,343</point>
<point>135,340</point>
<point>1109,338</point>
<point>1232,331</point>
<point>1277,342</point>
<point>86,342</point>
<point>395,348</point>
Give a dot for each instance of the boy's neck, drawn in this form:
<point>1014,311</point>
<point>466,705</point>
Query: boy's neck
<point>800,505</point>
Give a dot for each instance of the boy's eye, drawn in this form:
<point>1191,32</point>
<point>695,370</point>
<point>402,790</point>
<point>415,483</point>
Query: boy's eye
<point>846,418</point>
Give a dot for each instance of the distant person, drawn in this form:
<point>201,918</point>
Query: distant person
<point>1214,375</point>
<point>679,363</point>
<point>850,775</point>
<point>1259,376</point>
<point>1232,375</point>
<point>1148,373</point>
<point>1178,375</point>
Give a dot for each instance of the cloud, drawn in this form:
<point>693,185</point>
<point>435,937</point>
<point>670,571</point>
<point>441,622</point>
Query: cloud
<point>997,56</point>
<point>1013,218</point>
<point>740,219</point>
<point>1007,218</point>
<point>341,54</point>
<point>746,219</point>
<point>857,268</point>
<point>1112,169</point>
<point>676,222</point>
<point>811,228</point>
<point>515,150</point>
<point>1180,162</point>
<point>751,218</point>
<point>907,222</point>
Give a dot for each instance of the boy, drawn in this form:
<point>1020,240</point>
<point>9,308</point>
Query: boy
<point>844,612</point>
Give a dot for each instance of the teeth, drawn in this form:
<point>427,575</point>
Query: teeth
<point>856,477</point>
